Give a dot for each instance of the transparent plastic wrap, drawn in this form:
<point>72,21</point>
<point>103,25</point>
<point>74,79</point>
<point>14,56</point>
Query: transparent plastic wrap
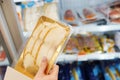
<point>48,39</point>
<point>33,10</point>
<point>85,43</point>
<point>51,10</point>
<point>31,13</point>
<point>114,13</point>
<point>117,39</point>
<point>86,12</point>
<point>111,10</point>
<point>69,16</point>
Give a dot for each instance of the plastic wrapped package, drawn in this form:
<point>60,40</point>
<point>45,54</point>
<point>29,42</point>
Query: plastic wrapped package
<point>114,14</point>
<point>46,40</point>
<point>69,16</point>
<point>83,44</point>
<point>72,46</point>
<point>33,10</point>
<point>51,10</point>
<point>30,16</point>
<point>111,69</point>
<point>90,70</point>
<point>117,39</point>
<point>96,43</point>
<point>78,13</point>
<point>64,71</point>
<point>2,53</point>
<point>108,45</point>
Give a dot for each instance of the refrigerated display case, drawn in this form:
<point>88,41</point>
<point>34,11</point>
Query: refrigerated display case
<point>76,7</point>
<point>105,30</point>
<point>82,26</point>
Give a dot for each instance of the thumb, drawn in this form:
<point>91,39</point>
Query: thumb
<point>43,67</point>
<point>55,70</point>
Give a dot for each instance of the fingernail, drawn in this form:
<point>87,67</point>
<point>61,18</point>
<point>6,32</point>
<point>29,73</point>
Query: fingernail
<point>44,59</point>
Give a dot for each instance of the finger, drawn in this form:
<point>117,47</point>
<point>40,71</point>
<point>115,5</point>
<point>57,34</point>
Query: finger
<point>43,66</point>
<point>55,70</point>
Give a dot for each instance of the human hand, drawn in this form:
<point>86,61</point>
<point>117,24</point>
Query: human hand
<point>53,75</point>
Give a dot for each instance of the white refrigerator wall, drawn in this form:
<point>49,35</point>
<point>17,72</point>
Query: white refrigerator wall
<point>81,3</point>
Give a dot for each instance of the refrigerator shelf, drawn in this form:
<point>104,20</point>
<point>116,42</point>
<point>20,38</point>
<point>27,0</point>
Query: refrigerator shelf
<point>24,0</point>
<point>93,28</point>
<point>93,56</point>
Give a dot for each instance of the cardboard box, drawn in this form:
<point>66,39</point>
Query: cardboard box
<point>12,74</point>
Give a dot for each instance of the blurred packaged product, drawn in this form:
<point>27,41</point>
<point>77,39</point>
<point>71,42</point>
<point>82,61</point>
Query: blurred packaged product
<point>90,70</point>
<point>117,39</point>
<point>72,45</point>
<point>83,44</point>
<point>69,15</point>
<point>108,45</point>
<point>92,17</point>
<point>31,11</point>
<point>88,14</point>
<point>103,13</point>
<point>114,12</point>
<point>2,54</point>
<point>51,10</point>
<point>111,67</point>
<point>103,9</point>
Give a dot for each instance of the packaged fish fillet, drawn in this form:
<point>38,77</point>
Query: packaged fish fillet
<point>48,39</point>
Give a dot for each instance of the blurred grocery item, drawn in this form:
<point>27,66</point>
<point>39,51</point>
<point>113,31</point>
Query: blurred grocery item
<point>88,14</point>
<point>114,15</point>
<point>117,39</point>
<point>30,11</point>
<point>112,72</point>
<point>103,9</point>
<point>31,16</point>
<point>51,10</point>
<point>2,55</point>
<point>88,44</point>
<point>90,70</point>
<point>71,71</point>
<point>115,4</point>
<point>108,45</point>
<point>83,44</point>
<point>73,24</point>
<point>116,21</point>
<point>69,16</point>
<point>48,0</point>
<point>72,45</point>
<point>98,22</point>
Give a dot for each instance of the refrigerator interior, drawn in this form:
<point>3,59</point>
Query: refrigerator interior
<point>93,51</point>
